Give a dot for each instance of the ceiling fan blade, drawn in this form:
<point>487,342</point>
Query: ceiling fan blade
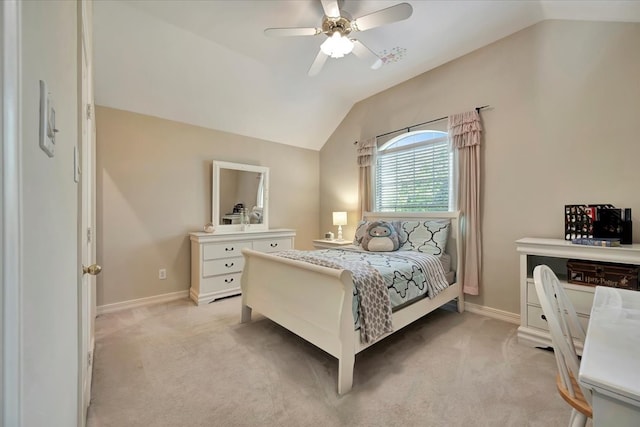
<point>318,63</point>
<point>330,8</point>
<point>385,16</point>
<point>287,32</point>
<point>366,54</point>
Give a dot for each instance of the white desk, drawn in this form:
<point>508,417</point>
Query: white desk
<point>610,365</point>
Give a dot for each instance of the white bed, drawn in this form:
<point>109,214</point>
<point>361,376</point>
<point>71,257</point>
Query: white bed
<point>315,302</point>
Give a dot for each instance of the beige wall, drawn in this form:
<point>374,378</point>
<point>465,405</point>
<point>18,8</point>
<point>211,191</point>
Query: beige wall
<point>154,187</point>
<point>49,233</point>
<point>562,128</point>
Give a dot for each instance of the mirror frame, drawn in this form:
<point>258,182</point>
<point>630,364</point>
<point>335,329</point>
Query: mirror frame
<point>215,199</point>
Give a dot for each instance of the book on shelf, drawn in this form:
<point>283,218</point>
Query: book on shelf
<point>597,241</point>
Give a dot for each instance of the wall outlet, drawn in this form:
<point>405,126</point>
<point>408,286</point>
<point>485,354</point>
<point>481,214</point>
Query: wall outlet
<point>162,273</point>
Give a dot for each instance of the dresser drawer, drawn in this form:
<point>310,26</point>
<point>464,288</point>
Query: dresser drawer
<point>223,250</point>
<point>582,300</point>
<point>222,266</point>
<point>272,245</point>
<point>221,283</point>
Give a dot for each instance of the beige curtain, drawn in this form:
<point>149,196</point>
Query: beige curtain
<point>465,133</point>
<point>366,158</point>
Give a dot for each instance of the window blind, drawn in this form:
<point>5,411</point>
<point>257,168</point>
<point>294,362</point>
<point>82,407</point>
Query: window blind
<point>414,177</point>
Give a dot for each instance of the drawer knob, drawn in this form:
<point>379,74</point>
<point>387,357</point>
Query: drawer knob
<point>228,280</point>
<point>273,245</point>
<point>543,317</point>
<point>229,265</point>
<point>229,249</point>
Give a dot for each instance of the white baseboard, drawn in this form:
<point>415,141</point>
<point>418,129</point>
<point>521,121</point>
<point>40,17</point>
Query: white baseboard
<point>141,302</point>
<point>482,310</point>
<point>493,313</point>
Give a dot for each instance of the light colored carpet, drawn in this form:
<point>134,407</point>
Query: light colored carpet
<point>176,364</point>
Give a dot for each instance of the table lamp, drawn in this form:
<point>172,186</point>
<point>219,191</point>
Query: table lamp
<point>339,219</point>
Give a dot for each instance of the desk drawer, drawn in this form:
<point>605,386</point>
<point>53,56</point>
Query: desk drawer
<point>582,300</point>
<point>272,245</point>
<point>223,250</point>
<point>535,319</point>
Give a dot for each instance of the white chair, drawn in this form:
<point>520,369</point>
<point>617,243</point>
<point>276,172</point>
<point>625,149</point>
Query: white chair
<point>563,324</point>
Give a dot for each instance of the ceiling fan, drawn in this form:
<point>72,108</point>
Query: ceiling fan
<point>337,25</point>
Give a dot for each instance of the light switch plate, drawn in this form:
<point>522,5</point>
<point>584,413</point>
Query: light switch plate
<point>47,121</point>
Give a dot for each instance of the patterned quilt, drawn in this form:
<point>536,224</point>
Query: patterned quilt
<point>382,280</point>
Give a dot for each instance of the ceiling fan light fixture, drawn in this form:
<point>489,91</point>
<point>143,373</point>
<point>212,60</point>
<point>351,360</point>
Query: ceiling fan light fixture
<point>337,45</point>
<point>337,25</point>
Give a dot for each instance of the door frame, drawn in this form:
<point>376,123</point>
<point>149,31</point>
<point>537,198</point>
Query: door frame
<point>11,213</point>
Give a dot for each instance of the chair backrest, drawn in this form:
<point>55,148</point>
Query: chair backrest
<point>562,320</point>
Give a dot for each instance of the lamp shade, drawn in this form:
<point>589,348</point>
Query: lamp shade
<point>339,218</point>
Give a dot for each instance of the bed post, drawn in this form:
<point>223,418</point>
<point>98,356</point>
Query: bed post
<point>245,315</point>
<point>459,259</point>
<point>345,370</point>
<point>348,336</point>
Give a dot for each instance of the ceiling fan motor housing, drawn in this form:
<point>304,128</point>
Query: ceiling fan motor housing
<point>340,24</point>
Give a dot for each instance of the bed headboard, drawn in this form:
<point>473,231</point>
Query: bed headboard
<point>454,241</point>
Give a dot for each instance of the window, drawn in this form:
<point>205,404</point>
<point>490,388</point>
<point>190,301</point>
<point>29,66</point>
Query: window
<point>413,173</point>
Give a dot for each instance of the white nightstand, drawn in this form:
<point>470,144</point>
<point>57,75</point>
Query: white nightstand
<point>325,244</point>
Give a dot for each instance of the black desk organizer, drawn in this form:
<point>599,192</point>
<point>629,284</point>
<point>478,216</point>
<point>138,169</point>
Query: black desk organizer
<point>613,223</point>
<point>597,221</point>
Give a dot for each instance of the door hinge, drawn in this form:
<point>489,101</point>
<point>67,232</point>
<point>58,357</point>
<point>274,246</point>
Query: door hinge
<point>89,359</point>
<point>88,111</point>
<point>89,235</point>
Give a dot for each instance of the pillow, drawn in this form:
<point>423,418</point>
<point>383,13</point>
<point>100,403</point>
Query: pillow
<point>380,236</point>
<point>424,236</point>
<point>361,230</point>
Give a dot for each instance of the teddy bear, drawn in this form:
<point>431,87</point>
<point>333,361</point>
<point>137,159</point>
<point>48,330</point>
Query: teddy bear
<point>380,236</point>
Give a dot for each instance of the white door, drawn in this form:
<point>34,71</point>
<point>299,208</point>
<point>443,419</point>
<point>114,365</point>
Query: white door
<point>86,174</point>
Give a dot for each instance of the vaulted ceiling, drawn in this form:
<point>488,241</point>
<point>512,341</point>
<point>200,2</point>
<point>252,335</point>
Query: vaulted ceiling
<point>209,63</point>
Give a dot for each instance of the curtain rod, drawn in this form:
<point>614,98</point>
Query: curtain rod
<point>408,128</point>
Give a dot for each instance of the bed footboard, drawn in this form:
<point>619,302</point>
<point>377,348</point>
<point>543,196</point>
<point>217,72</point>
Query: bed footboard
<point>312,301</point>
<point>315,302</point>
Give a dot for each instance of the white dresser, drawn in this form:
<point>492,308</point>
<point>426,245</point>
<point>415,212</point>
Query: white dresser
<point>555,253</point>
<point>217,261</point>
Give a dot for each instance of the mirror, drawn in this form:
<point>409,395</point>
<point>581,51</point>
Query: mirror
<point>239,189</point>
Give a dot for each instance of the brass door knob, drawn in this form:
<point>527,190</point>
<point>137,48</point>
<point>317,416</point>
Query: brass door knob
<point>93,269</point>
